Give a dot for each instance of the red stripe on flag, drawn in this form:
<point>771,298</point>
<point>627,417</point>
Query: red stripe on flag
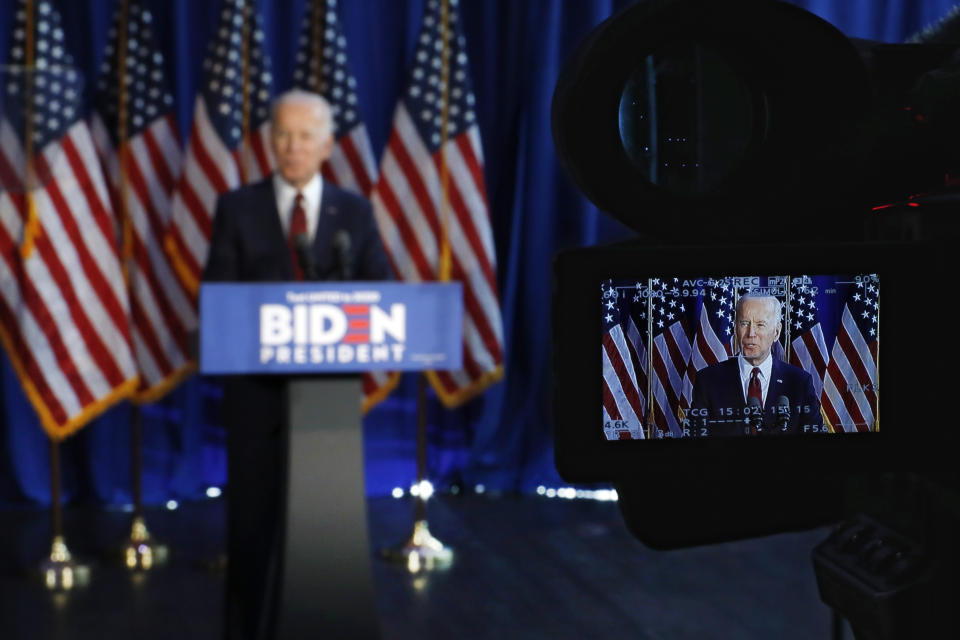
<point>609,404</point>
<point>149,337</point>
<point>473,164</point>
<point>139,185</point>
<point>206,163</point>
<point>100,215</point>
<point>406,232</point>
<point>417,186</point>
<point>169,317</point>
<point>183,254</point>
<point>356,164</point>
<point>466,224</point>
<point>629,390</point>
<point>157,159</point>
<point>198,212</point>
<point>473,307</point>
<point>11,255</point>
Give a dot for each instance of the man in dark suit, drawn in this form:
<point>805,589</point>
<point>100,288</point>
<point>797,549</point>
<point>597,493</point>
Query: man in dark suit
<point>745,395</point>
<point>282,228</point>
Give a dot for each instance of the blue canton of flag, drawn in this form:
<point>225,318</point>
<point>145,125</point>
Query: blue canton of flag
<point>223,73</point>
<point>423,96</point>
<point>54,85</point>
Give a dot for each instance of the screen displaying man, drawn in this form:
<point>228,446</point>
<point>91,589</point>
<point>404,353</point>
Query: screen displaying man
<point>290,226</point>
<point>755,392</point>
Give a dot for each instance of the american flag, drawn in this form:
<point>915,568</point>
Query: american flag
<point>323,67</point>
<point>161,312</point>
<point>408,198</point>
<point>64,311</point>
<point>808,347</point>
<point>715,329</point>
<point>850,387</point>
<point>223,153</point>
<point>672,346</point>
<point>624,317</point>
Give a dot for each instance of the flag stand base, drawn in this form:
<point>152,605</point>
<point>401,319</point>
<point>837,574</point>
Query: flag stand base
<point>140,552</point>
<point>59,572</point>
<point>421,552</point>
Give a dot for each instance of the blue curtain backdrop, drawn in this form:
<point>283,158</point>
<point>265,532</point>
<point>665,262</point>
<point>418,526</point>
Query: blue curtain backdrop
<point>502,440</point>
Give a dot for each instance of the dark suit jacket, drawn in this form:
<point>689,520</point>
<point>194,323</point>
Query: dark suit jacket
<point>718,399</point>
<point>248,243</point>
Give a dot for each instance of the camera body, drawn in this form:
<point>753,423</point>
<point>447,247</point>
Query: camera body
<point>765,160</point>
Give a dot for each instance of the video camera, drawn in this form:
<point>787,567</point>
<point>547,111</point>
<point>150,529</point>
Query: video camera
<point>780,177</point>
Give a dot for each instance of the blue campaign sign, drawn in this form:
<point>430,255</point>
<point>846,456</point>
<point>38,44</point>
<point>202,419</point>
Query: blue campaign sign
<point>342,327</point>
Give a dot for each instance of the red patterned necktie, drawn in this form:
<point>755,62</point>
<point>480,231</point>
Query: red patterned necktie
<point>298,225</point>
<point>754,390</point>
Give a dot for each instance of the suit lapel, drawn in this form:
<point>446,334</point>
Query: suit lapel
<point>736,390</point>
<point>327,224</point>
<point>775,388</point>
<point>267,228</point>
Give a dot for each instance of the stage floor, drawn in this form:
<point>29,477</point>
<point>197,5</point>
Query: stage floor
<point>525,567</point>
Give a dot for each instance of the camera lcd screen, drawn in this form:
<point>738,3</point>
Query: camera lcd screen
<point>739,355</point>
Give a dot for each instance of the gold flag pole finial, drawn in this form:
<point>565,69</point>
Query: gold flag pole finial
<point>31,226</point>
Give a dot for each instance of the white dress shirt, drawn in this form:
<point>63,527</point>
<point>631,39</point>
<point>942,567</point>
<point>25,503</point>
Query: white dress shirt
<point>286,193</point>
<point>746,370</point>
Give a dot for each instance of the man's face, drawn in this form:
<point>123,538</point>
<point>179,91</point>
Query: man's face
<point>758,326</point>
<point>298,143</point>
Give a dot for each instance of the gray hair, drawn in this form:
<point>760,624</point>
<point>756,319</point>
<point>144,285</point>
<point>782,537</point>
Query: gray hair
<point>298,96</point>
<point>774,304</point>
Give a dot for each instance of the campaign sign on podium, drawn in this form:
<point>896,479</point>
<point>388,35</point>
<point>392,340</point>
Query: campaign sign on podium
<point>342,327</point>
<point>301,329</point>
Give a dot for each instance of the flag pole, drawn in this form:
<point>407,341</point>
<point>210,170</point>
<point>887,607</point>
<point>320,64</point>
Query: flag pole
<point>422,551</point>
<point>876,367</point>
<point>319,8</point>
<point>786,333</point>
<point>245,153</point>
<point>31,225</point>
<point>139,551</point>
<point>649,358</point>
<point>59,571</point>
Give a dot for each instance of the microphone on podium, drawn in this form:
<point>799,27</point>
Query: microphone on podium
<point>301,244</point>
<point>754,416</point>
<point>782,413</point>
<point>341,249</point>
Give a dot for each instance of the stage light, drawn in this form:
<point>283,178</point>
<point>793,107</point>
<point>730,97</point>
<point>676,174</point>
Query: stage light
<point>172,504</point>
<point>214,492</point>
<point>541,490</point>
<point>479,488</point>
<point>397,492</point>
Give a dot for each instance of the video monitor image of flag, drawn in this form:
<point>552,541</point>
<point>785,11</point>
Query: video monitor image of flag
<point>811,357</point>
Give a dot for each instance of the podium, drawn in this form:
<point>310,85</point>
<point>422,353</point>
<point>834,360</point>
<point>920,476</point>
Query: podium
<point>321,336</point>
